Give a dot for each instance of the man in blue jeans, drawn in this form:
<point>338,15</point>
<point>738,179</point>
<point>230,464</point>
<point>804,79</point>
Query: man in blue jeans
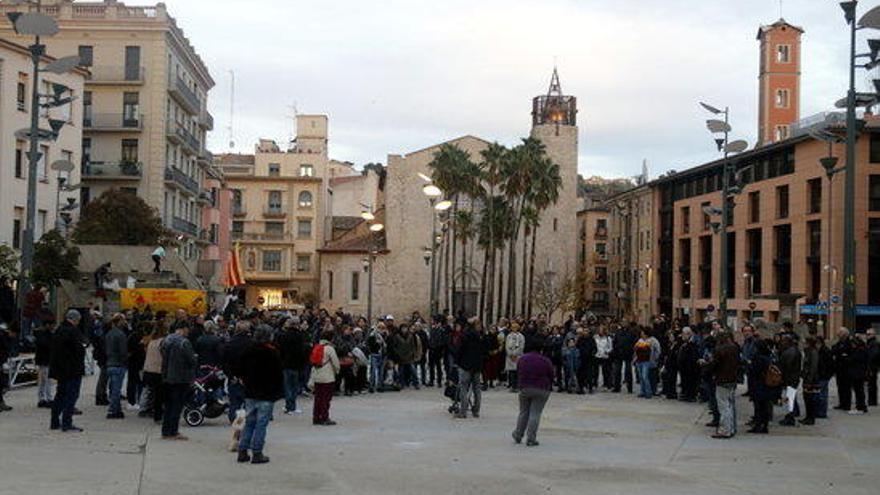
<point>116,350</point>
<point>263,379</point>
<point>67,366</point>
<point>291,346</point>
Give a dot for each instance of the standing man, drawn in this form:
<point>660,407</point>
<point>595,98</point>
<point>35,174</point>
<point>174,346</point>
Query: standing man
<point>376,347</point>
<point>291,345</point>
<point>873,365</point>
<point>623,345</point>
<point>232,352</point>
<point>790,364</point>
<point>723,366</point>
<point>178,372</point>
<point>438,346</point>
<point>42,359</point>
<point>470,358</point>
<point>535,375</point>
<point>261,373</point>
<point>67,367</point>
<point>116,349</point>
<point>841,351</point>
<point>158,255</point>
<point>5,345</point>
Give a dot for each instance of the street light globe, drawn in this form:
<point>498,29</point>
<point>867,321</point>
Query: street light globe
<point>443,205</point>
<point>432,191</point>
<point>368,215</point>
<point>377,227</point>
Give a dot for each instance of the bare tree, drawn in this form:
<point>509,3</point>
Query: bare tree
<point>554,292</point>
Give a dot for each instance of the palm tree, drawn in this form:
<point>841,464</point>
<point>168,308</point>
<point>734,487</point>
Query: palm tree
<point>530,222</point>
<point>455,174</point>
<point>494,157</point>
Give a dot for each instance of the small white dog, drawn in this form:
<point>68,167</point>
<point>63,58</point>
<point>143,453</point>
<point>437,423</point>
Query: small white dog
<point>237,426</point>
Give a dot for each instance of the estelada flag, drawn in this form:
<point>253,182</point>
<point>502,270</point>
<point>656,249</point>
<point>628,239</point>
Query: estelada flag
<point>234,277</point>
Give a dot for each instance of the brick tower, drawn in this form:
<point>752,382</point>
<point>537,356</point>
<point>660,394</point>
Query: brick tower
<point>779,78</point>
<point>554,122</point>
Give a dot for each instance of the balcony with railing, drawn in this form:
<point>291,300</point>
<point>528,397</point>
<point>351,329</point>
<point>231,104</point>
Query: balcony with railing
<point>206,157</point>
<point>180,135</point>
<point>116,75</point>
<point>206,120</point>
<point>113,122</point>
<point>185,226</point>
<point>184,95</point>
<point>176,178</point>
<point>263,236</point>
<point>114,171</point>
<point>205,197</point>
<point>274,211</point>
<point>600,258</point>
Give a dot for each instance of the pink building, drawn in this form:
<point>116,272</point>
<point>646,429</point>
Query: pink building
<point>215,235</point>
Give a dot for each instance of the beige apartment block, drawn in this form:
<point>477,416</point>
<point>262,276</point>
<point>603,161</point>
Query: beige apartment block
<point>16,86</point>
<point>632,237</point>
<point>593,256</point>
<point>145,117</point>
<point>279,201</point>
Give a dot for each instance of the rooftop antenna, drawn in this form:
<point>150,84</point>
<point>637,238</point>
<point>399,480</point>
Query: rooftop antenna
<point>232,110</point>
<point>780,9</point>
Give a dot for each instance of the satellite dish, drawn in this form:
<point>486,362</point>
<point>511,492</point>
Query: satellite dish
<point>871,19</point>
<point>62,166</point>
<point>35,24</point>
<point>63,64</point>
<point>715,125</point>
<point>737,146</point>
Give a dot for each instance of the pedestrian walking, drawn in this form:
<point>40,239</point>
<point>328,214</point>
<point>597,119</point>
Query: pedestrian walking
<point>116,350</point>
<point>325,365</point>
<point>535,376</point>
<point>158,255</point>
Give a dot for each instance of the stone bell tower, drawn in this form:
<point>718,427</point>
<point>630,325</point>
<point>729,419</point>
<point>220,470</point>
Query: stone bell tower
<point>554,122</point>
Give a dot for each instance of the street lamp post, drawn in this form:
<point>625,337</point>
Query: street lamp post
<point>372,251</point>
<point>433,194</point>
<point>870,20</point>
<point>37,25</point>
<point>722,128</point>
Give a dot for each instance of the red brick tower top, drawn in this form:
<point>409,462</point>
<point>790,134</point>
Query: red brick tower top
<point>779,81</point>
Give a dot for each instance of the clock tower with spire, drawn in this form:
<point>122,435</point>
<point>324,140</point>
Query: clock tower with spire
<point>554,122</point>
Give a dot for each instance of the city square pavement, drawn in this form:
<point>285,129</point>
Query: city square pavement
<point>407,443</point>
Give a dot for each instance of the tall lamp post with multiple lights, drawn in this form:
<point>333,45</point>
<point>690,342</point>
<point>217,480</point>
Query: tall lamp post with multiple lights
<point>38,25</point>
<point>721,129</point>
<point>871,20</point>
<point>370,259</point>
<point>433,193</point>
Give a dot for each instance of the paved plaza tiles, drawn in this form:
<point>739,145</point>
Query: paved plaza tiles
<point>407,443</point>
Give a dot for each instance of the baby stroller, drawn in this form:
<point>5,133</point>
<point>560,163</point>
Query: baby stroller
<point>452,392</point>
<point>207,398</point>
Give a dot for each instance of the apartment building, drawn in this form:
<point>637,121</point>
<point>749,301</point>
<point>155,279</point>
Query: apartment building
<point>16,83</point>
<point>144,118</point>
<point>593,256</point>
<point>632,255</point>
<point>279,200</point>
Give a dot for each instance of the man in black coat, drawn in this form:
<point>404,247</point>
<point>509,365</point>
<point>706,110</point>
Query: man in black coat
<point>67,367</point>
<point>470,357</point>
<point>586,346</point>
<point>232,351</point>
<point>858,372</point>
<point>790,360</point>
<point>260,371</point>
<point>5,345</point>
<point>841,351</point>
<point>688,367</point>
<point>873,365</point>
<point>291,345</point>
<point>624,341</point>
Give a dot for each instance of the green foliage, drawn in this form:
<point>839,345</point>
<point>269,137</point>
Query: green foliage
<point>120,218</point>
<point>54,260</point>
<point>8,263</point>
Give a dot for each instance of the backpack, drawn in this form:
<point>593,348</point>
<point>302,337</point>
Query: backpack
<point>773,376</point>
<point>317,356</point>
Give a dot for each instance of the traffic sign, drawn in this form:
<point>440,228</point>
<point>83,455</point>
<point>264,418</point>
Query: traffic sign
<point>752,305</point>
<point>710,308</point>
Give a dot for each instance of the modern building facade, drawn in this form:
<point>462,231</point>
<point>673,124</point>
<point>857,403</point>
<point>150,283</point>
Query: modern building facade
<point>16,84</point>
<point>279,208</point>
<point>145,119</point>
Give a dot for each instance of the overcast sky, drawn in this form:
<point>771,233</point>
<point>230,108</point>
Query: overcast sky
<point>397,75</point>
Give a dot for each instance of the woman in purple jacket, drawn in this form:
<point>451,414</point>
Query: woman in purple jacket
<point>535,376</point>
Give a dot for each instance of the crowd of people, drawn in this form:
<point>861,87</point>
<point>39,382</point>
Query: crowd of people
<point>147,362</point>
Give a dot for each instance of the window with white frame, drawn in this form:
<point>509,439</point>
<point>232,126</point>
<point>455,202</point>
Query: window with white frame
<point>305,199</point>
<point>782,98</point>
<point>783,54</point>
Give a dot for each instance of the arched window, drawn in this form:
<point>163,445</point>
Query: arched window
<point>305,199</point>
